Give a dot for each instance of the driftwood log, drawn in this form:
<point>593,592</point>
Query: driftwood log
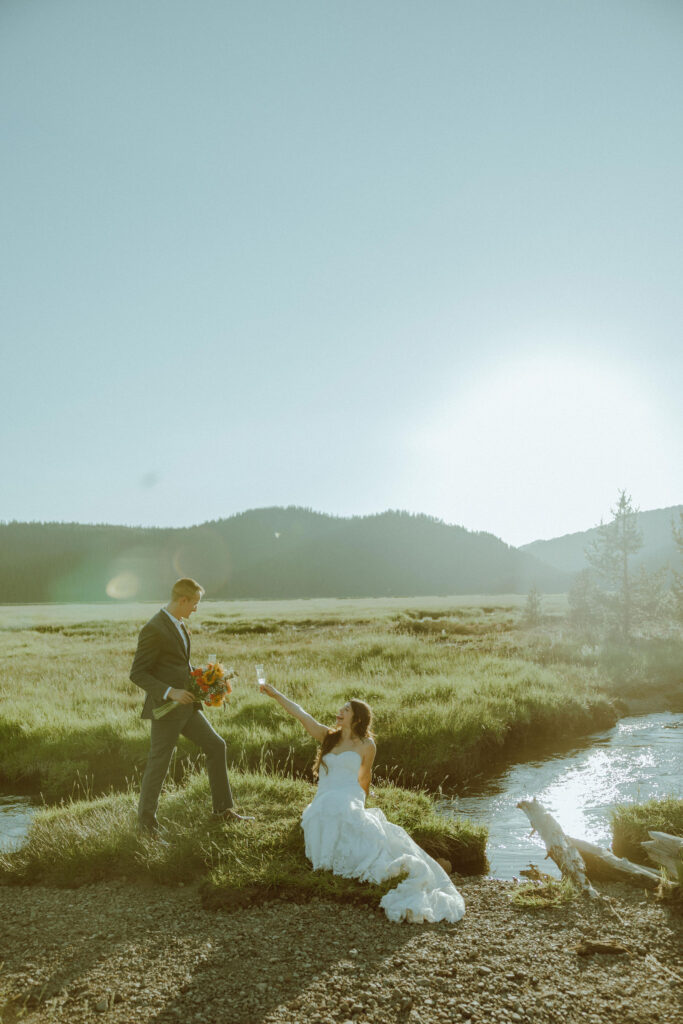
<point>559,847</point>
<point>580,860</point>
<point>603,864</point>
<point>667,851</point>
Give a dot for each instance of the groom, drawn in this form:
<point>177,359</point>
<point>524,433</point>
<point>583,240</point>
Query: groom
<point>162,668</point>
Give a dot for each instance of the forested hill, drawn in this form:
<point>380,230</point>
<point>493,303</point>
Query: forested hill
<point>658,550</point>
<point>265,553</point>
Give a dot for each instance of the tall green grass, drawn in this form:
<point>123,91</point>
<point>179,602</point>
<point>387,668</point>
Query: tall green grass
<point>449,702</point>
<point>92,840</point>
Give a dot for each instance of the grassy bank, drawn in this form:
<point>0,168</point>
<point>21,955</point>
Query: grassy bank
<point>94,840</point>
<point>457,689</point>
<point>632,822</point>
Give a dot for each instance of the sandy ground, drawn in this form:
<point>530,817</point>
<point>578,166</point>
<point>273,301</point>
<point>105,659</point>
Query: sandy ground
<point>120,952</point>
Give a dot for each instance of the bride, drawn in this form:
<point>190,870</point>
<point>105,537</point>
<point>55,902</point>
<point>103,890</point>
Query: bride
<point>343,837</point>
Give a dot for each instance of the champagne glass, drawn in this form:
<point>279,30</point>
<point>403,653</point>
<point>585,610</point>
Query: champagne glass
<point>260,676</point>
<point>212,659</point>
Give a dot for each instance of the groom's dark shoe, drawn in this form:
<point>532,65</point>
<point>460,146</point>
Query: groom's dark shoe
<point>229,815</point>
<point>154,831</point>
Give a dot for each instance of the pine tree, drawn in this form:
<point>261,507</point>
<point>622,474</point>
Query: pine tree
<point>650,597</point>
<point>609,557</point>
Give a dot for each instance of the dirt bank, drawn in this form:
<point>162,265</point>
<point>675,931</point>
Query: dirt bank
<point>128,953</point>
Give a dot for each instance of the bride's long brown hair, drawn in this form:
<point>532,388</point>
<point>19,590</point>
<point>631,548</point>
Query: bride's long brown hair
<point>360,727</point>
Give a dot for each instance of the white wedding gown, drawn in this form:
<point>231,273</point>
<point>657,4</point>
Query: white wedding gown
<point>343,837</point>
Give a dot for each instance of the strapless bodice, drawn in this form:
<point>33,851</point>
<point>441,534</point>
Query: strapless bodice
<point>340,771</point>
<point>333,758</point>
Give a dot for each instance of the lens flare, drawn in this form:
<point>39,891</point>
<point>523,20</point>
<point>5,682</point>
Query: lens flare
<point>123,586</point>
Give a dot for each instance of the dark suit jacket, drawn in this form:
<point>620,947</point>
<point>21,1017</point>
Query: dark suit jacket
<point>160,661</point>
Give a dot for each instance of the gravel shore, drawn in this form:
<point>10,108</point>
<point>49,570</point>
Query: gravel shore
<point>123,953</point>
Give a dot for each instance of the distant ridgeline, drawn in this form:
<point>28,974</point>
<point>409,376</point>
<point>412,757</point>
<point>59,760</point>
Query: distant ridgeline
<point>658,550</point>
<point>265,553</point>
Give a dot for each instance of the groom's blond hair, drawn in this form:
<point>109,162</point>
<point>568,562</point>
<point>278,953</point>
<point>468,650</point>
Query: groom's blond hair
<point>186,587</point>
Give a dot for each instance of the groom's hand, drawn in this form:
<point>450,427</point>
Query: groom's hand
<point>180,696</point>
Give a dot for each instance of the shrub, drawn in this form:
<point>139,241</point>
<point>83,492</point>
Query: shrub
<point>632,822</point>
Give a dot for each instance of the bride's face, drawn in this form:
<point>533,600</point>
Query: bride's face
<point>345,716</point>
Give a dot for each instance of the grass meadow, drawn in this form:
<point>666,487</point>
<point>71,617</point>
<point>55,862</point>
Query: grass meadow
<point>455,689</point>
<point>458,687</point>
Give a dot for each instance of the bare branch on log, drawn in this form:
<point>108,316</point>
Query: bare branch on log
<point>665,850</point>
<point>566,856</point>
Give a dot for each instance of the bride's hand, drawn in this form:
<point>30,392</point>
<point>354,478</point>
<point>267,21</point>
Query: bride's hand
<point>267,689</point>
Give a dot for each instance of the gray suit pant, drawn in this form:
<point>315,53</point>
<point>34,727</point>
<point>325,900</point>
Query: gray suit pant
<point>191,723</point>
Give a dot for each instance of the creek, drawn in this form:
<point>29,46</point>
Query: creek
<point>641,758</point>
<point>15,818</point>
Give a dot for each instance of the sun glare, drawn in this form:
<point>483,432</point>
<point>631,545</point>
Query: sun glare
<point>544,444</point>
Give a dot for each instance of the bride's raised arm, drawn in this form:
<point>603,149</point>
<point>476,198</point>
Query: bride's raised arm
<point>317,730</point>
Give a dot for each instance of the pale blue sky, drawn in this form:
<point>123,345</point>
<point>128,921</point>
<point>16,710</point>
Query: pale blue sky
<point>349,255</point>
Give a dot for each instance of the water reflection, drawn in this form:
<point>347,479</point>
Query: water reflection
<point>640,758</point>
<point>15,818</point>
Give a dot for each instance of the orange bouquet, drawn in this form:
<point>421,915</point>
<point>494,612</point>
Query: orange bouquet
<point>210,686</point>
